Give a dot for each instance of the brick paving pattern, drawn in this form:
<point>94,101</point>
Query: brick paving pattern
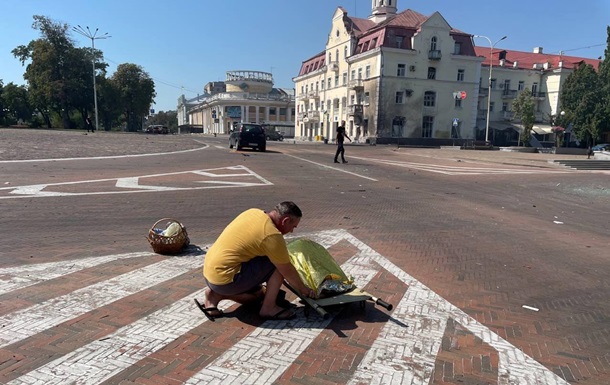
<point>478,246</point>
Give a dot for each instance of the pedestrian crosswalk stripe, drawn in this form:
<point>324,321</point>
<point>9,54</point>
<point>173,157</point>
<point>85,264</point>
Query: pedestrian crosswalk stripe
<point>34,319</point>
<point>404,352</point>
<point>19,277</point>
<point>466,170</point>
<point>266,353</point>
<point>412,352</point>
<point>104,358</point>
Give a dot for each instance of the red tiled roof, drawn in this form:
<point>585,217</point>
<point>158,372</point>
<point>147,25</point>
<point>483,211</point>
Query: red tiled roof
<point>371,35</point>
<point>359,26</point>
<point>407,18</point>
<point>526,60</point>
<point>313,64</point>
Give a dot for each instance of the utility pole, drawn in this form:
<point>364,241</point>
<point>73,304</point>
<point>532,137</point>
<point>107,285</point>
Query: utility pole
<point>86,32</point>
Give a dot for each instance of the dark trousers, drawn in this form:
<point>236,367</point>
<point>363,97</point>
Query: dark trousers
<point>341,151</point>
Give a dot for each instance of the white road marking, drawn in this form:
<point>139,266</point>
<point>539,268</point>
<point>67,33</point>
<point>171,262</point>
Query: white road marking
<point>401,354</point>
<point>13,278</point>
<point>333,168</point>
<point>133,185</point>
<point>262,356</point>
<point>34,319</point>
<point>426,313</point>
<point>464,170</point>
<point>104,358</point>
<point>107,157</point>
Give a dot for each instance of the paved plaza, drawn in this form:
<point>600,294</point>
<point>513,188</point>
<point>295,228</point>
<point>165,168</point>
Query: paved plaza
<point>496,263</point>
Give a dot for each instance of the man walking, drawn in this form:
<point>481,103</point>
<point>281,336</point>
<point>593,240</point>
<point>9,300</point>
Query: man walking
<point>341,135</point>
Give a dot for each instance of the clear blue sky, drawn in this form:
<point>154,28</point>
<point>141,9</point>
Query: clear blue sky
<point>189,43</point>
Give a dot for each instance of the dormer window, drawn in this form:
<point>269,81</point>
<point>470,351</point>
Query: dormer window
<point>399,40</point>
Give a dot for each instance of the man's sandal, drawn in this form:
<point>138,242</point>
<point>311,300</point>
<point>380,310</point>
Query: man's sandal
<point>210,312</point>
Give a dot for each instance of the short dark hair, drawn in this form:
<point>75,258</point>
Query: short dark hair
<point>288,208</point>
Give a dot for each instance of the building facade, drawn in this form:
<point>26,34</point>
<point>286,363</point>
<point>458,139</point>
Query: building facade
<point>392,77</point>
<point>244,96</point>
<point>401,77</point>
<point>513,72</point>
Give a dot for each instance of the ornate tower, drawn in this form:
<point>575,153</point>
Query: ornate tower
<point>383,9</point>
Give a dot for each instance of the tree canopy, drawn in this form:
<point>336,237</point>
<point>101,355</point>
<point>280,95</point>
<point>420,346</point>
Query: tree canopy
<point>524,108</point>
<point>59,79</point>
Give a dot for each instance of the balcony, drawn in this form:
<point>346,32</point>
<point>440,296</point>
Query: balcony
<point>539,95</point>
<point>313,94</point>
<point>309,116</point>
<point>333,66</point>
<point>356,84</point>
<point>483,91</point>
<point>509,94</point>
<point>434,54</point>
<point>355,110</point>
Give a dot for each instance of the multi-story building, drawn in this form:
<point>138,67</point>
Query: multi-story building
<point>515,71</point>
<point>391,77</point>
<point>245,96</point>
<point>397,77</point>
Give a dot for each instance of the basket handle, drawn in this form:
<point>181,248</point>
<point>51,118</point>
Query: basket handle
<point>167,219</point>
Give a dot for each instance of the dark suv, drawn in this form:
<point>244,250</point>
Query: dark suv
<point>248,135</point>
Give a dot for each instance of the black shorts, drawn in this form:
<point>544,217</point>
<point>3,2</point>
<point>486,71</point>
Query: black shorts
<point>252,274</point>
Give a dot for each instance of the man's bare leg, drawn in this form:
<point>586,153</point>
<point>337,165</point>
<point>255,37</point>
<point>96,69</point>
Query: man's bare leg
<point>269,307</point>
<point>211,298</point>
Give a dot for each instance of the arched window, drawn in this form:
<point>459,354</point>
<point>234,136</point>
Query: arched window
<point>330,57</point>
<point>433,43</point>
<point>345,52</point>
<point>337,54</point>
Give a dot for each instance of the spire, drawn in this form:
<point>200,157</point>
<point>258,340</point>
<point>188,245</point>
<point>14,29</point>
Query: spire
<point>382,10</point>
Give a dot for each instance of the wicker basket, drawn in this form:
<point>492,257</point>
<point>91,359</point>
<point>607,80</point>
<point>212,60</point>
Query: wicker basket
<point>163,244</point>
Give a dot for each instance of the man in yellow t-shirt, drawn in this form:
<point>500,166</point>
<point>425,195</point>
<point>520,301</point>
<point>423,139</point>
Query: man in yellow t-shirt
<point>251,250</point>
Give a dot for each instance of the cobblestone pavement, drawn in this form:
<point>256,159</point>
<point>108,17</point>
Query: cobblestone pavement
<point>18,144</point>
<point>496,264</point>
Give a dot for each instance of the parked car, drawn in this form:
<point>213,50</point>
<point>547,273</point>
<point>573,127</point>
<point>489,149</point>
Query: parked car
<point>601,147</point>
<point>274,135</point>
<point>157,129</point>
<point>248,135</point>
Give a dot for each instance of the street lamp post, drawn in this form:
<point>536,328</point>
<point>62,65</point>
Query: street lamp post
<point>86,32</point>
<point>491,63</point>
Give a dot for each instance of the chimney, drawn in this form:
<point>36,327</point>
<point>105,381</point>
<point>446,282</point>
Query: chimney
<point>516,64</point>
<point>537,49</point>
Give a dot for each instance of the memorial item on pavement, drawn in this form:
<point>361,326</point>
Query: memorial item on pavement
<point>168,236</point>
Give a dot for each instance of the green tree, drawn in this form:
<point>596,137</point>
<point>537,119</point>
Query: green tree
<point>136,93</point>
<point>109,104</point>
<point>523,106</point>
<point>582,98</point>
<point>166,118</point>
<point>14,100</point>
<point>57,72</point>
<point>604,75</point>
<point>2,108</point>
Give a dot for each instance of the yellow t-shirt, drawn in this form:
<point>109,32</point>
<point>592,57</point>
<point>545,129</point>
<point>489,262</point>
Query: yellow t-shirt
<point>251,234</point>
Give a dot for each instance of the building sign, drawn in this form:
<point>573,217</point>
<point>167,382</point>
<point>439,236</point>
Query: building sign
<point>234,112</point>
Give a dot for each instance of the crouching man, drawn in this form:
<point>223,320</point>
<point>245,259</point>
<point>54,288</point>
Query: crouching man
<point>251,251</point>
